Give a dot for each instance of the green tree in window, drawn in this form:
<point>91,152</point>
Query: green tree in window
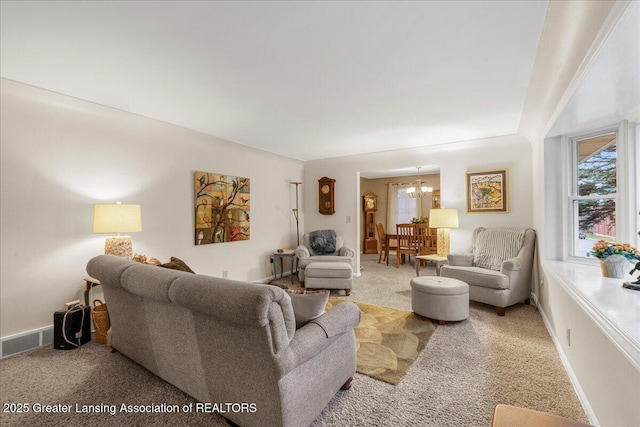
<point>597,176</point>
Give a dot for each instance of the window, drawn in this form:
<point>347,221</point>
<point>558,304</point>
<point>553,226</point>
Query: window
<point>400,207</point>
<point>406,207</point>
<point>593,198</point>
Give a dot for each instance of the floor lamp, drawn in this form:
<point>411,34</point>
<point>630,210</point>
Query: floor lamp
<point>295,213</point>
<point>443,220</point>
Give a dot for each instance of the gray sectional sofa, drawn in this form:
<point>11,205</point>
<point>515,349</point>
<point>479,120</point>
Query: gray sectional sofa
<point>227,341</point>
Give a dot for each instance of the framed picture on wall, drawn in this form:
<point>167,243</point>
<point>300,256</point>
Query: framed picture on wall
<point>487,191</point>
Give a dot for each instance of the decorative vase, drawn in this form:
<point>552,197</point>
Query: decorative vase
<point>614,266</point>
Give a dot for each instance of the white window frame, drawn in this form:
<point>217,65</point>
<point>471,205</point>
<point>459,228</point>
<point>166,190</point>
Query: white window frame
<point>626,198</point>
<point>573,195</point>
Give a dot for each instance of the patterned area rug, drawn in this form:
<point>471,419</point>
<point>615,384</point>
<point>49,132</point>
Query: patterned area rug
<point>388,340</point>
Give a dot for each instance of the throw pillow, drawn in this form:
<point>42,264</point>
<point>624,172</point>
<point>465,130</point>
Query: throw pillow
<point>323,242</point>
<point>307,305</point>
<point>494,245</point>
<point>177,264</point>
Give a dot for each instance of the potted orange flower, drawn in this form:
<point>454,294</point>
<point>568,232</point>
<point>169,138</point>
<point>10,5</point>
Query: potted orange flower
<point>614,257</point>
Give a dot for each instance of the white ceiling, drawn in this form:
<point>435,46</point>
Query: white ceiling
<point>307,80</point>
<point>304,79</point>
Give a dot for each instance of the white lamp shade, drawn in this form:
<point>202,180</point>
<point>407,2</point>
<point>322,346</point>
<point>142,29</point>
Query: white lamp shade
<point>116,218</point>
<point>443,218</point>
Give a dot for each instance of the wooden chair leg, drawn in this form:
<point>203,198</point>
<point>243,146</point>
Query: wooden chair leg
<point>527,301</point>
<point>500,311</point>
<point>347,292</point>
<point>347,385</point>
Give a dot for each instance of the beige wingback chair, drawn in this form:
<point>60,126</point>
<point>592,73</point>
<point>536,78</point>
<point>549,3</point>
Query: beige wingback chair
<point>499,268</point>
<point>306,254</point>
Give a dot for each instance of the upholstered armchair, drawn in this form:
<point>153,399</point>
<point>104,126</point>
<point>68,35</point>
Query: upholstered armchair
<point>317,247</point>
<point>499,268</point>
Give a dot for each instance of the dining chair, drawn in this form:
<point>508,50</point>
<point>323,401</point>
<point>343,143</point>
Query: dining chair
<point>426,239</point>
<point>406,242</point>
<point>384,245</point>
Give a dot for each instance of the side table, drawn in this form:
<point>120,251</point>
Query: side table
<point>437,259</point>
<point>91,282</point>
<point>286,253</point>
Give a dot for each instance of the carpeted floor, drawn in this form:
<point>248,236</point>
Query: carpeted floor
<point>465,370</point>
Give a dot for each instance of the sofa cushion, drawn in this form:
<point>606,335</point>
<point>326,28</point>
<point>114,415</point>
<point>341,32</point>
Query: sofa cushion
<point>330,270</point>
<point>304,262</point>
<point>476,276</point>
<point>307,305</point>
<point>494,245</point>
<point>150,281</point>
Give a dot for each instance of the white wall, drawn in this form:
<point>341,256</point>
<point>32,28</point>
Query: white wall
<point>596,355</point>
<point>512,152</point>
<point>60,155</point>
<point>603,94</point>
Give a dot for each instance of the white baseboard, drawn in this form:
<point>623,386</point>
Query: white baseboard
<point>567,366</point>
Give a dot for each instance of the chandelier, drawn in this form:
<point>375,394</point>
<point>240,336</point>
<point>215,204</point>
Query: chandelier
<point>419,190</point>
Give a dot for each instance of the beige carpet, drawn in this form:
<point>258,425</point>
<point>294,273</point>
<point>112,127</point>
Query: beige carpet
<point>464,371</point>
<point>388,340</point>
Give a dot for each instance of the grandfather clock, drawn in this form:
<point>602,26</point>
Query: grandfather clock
<point>370,206</point>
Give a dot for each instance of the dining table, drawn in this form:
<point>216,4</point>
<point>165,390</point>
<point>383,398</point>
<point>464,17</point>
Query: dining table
<point>392,244</point>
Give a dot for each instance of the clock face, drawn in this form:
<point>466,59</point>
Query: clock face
<point>370,203</point>
<point>325,189</point>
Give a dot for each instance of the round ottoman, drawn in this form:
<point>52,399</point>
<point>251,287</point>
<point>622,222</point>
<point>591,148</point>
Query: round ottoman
<point>440,298</point>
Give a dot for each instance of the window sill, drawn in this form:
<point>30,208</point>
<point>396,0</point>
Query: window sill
<point>614,309</point>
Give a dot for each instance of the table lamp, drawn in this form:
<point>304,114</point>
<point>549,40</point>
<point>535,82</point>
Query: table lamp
<point>443,220</point>
<point>117,218</point>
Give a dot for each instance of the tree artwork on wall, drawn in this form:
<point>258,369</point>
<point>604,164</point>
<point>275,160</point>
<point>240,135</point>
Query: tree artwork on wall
<point>222,208</point>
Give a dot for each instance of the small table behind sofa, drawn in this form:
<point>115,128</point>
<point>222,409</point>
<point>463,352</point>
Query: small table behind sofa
<point>286,253</point>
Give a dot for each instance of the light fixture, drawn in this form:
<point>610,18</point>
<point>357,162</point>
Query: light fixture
<point>419,190</point>
<point>117,218</point>
<point>443,220</point>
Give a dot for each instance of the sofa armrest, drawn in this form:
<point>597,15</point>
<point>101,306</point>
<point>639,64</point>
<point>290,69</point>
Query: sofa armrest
<point>319,334</point>
<point>339,319</point>
<point>347,251</point>
<point>460,260</point>
<point>511,264</point>
<point>302,252</point>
